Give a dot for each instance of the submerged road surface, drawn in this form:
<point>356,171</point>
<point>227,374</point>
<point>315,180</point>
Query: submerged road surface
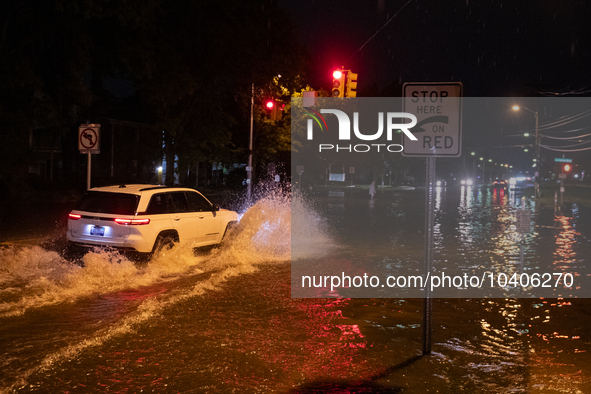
<point>224,320</point>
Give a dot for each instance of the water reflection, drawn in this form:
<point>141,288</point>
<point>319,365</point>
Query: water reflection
<point>565,239</point>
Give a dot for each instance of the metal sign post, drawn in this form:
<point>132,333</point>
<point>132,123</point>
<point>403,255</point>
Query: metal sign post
<point>523,221</point>
<point>89,137</point>
<point>429,227</point>
<point>88,172</point>
<point>438,109</point>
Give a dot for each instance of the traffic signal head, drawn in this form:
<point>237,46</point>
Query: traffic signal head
<point>273,110</point>
<point>338,84</point>
<point>566,167</point>
<point>351,85</point>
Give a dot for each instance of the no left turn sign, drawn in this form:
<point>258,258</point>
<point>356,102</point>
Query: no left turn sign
<point>89,138</point>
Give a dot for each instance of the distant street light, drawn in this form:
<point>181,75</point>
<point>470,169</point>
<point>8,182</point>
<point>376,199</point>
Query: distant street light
<point>483,174</point>
<point>536,145</point>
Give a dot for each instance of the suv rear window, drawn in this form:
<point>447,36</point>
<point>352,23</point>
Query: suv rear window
<point>105,202</point>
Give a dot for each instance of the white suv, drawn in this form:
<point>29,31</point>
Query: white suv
<point>146,218</point>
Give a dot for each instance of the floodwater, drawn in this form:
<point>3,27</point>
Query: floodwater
<point>224,321</point>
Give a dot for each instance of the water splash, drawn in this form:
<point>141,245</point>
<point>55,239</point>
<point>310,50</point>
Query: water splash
<point>33,277</point>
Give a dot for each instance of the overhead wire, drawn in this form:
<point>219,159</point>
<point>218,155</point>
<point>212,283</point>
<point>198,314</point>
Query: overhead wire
<point>380,29</point>
<point>565,150</point>
<point>568,138</point>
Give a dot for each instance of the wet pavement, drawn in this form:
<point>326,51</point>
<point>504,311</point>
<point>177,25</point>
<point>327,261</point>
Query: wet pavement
<point>224,320</point>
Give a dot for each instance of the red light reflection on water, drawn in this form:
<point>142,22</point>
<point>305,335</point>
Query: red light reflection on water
<point>310,341</point>
<point>565,240</point>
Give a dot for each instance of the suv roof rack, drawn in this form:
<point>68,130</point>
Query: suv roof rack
<point>152,188</point>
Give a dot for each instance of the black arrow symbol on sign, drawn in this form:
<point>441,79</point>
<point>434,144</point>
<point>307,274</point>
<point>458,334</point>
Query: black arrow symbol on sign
<point>432,119</point>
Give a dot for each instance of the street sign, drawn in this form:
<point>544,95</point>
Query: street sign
<point>438,109</point>
<point>310,99</point>
<point>523,221</point>
<point>562,160</point>
<point>337,177</point>
<point>561,176</point>
<point>89,137</point>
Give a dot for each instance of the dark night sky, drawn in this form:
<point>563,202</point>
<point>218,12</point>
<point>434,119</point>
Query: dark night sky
<point>495,48</point>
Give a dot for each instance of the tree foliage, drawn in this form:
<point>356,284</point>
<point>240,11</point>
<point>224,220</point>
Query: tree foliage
<point>190,64</point>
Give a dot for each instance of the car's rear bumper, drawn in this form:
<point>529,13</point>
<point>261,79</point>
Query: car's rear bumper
<point>88,246</point>
<point>134,242</point>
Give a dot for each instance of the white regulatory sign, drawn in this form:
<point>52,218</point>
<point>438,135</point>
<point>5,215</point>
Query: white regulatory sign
<point>89,138</point>
<point>438,109</point>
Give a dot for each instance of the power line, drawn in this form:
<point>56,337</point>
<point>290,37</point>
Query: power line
<point>565,150</point>
<point>380,29</point>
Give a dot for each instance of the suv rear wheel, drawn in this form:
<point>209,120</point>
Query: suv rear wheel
<point>164,242</point>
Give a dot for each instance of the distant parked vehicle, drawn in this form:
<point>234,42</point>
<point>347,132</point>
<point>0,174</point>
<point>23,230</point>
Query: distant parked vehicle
<point>146,218</point>
<point>499,184</point>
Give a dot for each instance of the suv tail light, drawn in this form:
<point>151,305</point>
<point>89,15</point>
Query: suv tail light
<point>74,216</point>
<point>132,221</point>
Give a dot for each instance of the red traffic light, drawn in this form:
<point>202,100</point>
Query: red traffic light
<point>566,167</point>
<point>269,104</point>
<point>338,83</point>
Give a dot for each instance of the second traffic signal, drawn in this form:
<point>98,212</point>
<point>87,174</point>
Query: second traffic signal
<point>351,85</point>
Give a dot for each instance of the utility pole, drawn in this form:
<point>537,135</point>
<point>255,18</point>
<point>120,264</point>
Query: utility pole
<point>538,162</point>
<point>249,167</point>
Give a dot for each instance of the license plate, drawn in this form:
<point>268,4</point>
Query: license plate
<point>97,230</point>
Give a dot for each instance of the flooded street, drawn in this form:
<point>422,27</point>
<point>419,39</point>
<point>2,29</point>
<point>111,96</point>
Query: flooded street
<point>224,320</point>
